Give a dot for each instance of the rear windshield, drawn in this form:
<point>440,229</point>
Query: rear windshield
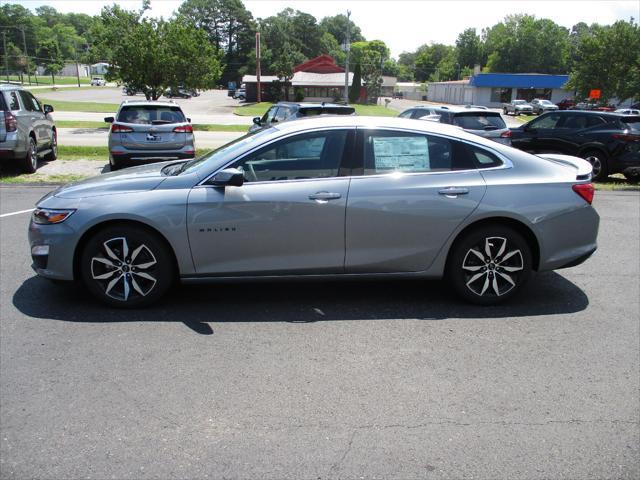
<point>151,114</point>
<point>479,121</point>
<point>633,123</point>
<point>310,111</point>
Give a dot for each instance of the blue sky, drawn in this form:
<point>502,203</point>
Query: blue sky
<point>402,25</point>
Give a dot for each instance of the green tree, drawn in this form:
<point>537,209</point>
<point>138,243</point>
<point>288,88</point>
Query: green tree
<point>407,66</point>
<point>50,57</point>
<point>230,28</point>
<point>427,61</point>
<point>337,26</point>
<point>356,84</point>
<point>524,44</point>
<point>608,59</point>
<point>469,48</point>
<point>152,55</point>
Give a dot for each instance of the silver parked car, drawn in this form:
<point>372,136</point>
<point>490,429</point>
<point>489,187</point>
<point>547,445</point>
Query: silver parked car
<point>149,131</point>
<point>325,197</point>
<point>477,120</point>
<point>27,131</point>
<point>540,105</point>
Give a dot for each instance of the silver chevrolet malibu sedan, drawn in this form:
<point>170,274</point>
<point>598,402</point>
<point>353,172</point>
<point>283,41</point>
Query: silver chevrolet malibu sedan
<point>325,197</point>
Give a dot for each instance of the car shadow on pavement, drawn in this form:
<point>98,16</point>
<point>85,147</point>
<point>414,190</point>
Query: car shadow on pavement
<point>300,302</point>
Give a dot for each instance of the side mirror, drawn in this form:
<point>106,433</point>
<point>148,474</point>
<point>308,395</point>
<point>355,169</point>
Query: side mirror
<point>109,119</point>
<point>227,177</point>
<point>188,120</point>
<point>48,108</point>
<point>256,120</point>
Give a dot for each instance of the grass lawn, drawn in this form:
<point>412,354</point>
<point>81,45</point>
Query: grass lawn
<point>46,80</point>
<point>39,178</point>
<point>525,118</point>
<point>196,127</point>
<point>258,109</point>
<point>64,106</point>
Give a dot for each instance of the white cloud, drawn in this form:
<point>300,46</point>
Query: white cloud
<point>403,25</point>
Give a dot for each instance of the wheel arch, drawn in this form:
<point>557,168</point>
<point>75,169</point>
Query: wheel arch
<point>119,222</point>
<point>520,227</point>
<point>593,146</point>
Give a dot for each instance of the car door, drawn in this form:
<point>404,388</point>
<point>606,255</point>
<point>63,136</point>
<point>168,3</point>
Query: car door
<point>287,218</point>
<point>538,135</point>
<point>33,114</point>
<point>415,190</point>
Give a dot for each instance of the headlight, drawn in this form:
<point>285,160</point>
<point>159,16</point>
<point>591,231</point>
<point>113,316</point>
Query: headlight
<point>46,216</point>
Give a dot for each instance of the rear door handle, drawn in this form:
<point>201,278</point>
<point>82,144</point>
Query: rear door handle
<point>453,191</point>
<point>324,196</point>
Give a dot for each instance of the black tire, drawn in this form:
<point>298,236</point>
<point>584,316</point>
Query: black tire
<point>139,283</point>
<point>504,110</point>
<point>632,177</point>
<point>598,161</point>
<point>30,162</point>
<point>53,154</point>
<point>499,274</point>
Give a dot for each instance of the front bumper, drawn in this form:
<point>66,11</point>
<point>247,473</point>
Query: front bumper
<point>52,248</point>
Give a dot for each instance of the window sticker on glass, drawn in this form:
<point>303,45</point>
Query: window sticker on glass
<point>409,154</point>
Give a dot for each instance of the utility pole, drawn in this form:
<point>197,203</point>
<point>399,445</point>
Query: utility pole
<point>75,49</point>
<point>347,47</point>
<point>26,55</point>
<point>6,63</point>
<point>259,93</point>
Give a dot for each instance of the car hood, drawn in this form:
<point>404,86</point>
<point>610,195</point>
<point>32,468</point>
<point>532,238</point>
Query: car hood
<point>136,179</point>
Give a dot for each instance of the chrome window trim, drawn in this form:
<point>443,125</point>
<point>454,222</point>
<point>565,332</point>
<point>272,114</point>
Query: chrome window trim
<point>506,162</point>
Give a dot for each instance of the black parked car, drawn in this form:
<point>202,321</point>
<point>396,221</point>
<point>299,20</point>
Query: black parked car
<point>282,111</point>
<point>609,141</point>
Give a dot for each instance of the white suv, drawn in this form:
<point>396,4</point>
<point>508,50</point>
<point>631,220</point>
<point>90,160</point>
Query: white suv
<point>98,82</point>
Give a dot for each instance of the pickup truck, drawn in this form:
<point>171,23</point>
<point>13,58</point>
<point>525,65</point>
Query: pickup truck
<point>517,107</point>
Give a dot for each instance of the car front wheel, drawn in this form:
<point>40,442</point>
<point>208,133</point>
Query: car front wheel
<point>127,266</point>
<point>53,154</point>
<point>489,265</point>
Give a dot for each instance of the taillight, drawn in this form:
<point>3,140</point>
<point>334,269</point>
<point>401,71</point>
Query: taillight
<point>117,128</point>
<point>506,134</point>
<point>585,190</point>
<point>10,122</point>
<point>184,129</point>
<point>626,137</point>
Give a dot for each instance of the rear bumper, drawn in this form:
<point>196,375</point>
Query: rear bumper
<point>144,157</point>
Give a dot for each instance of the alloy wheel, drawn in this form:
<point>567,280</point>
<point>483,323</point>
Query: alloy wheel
<point>125,272</point>
<point>596,165</point>
<point>492,267</point>
<point>33,154</point>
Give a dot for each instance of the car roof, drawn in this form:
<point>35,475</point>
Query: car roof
<point>451,108</point>
<point>136,103</point>
<point>9,86</point>
<point>314,104</point>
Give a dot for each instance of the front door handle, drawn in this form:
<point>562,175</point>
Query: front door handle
<point>324,196</point>
<point>453,191</point>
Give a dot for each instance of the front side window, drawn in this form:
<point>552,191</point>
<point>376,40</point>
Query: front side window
<point>282,114</point>
<point>389,152</point>
<point>546,121</point>
<point>305,156</point>
<point>406,114</point>
<point>268,116</point>
<point>29,101</point>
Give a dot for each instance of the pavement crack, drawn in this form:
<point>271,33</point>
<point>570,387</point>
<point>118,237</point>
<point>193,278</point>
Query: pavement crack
<point>335,468</point>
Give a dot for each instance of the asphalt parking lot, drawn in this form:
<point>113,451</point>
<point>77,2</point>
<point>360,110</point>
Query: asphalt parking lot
<point>324,380</point>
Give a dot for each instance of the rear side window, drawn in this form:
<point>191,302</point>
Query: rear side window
<point>421,112</point>
<point>13,101</point>
<point>388,152</point>
<point>151,114</point>
<point>632,123</point>
<point>406,114</point>
<point>483,158</point>
<point>479,121</point>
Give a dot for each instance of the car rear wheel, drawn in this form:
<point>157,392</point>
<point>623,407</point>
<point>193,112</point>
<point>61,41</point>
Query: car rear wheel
<point>127,267</point>
<point>489,265</point>
<point>598,163</point>
<point>30,162</point>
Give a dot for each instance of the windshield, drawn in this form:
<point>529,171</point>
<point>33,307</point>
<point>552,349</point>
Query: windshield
<point>479,121</point>
<point>151,114</point>
<point>237,145</point>
<point>519,102</point>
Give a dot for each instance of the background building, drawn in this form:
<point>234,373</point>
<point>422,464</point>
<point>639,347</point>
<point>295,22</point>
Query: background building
<point>494,89</point>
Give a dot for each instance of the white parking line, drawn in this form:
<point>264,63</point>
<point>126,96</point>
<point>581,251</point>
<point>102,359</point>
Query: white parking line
<point>16,213</point>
